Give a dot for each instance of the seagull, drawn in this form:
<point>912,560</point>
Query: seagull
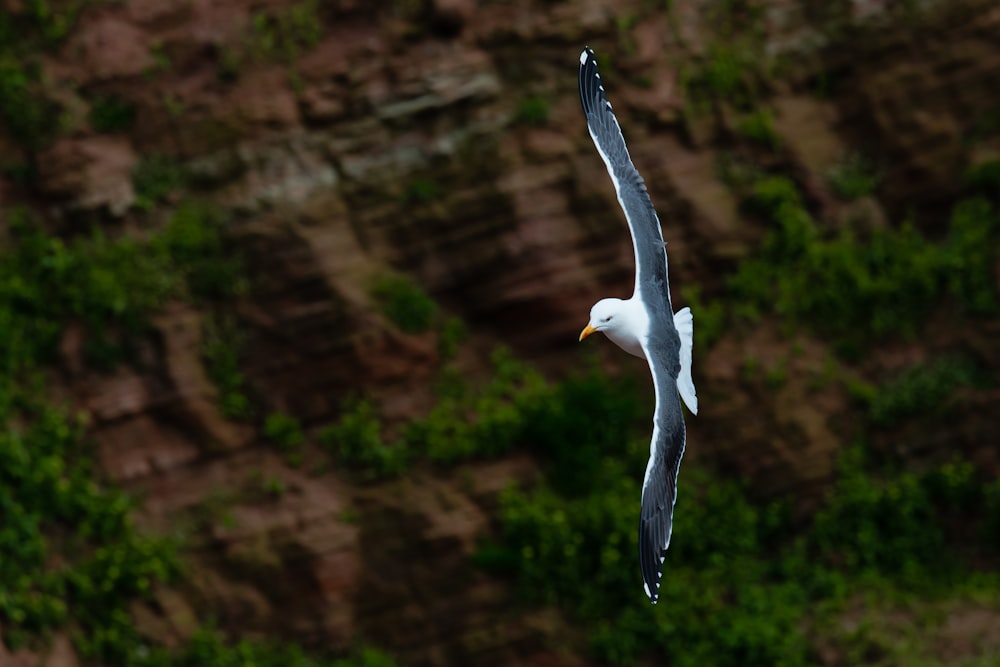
<point>646,326</point>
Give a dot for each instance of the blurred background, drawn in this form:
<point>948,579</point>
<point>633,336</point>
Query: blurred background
<point>290,293</point>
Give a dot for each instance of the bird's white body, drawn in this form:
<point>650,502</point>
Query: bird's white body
<point>626,323</point>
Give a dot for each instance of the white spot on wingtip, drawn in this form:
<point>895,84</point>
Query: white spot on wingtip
<point>645,587</point>
<point>583,56</point>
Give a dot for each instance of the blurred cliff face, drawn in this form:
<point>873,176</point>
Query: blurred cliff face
<point>374,170</point>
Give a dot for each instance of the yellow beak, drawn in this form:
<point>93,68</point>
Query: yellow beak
<point>587,330</point>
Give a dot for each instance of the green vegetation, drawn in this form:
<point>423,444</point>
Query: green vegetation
<point>68,549</point>
<point>986,125</point>
<point>155,177</point>
<point>421,189</point>
<point>209,649</point>
<point>411,309</point>
<point>920,391</point>
<point>404,303</point>
<point>451,335</point>
<point>283,35</point>
<point>758,127</point>
<point>515,407</point>
<point>466,423</point>
<point>970,252</point>
<point>896,525</point>
<point>174,104</point>
<point>71,558</point>
<point>753,579</point>
<point>280,35</point>
<point>70,554</point>
<point>34,26</point>
<point>487,422</point>
<point>733,70</point>
<point>776,375</point>
<point>25,112</point>
<point>111,113</point>
<point>625,24</point>
<point>285,432</point>
<point>111,286</point>
<point>736,171</point>
<point>19,172</point>
<point>533,110</point>
<point>220,350</point>
<point>757,584</point>
<point>356,440</point>
<point>854,178</point>
<point>727,74</point>
<point>161,61</point>
<point>855,289</point>
<point>732,17</point>
<point>750,582</point>
<point>274,487</point>
<point>985,178</point>
<point>194,242</point>
<point>261,486</point>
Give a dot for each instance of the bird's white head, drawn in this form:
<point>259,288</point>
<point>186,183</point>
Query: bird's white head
<point>603,316</point>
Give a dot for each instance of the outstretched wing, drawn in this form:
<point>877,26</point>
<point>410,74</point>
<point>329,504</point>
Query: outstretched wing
<point>659,486</point>
<point>662,343</point>
<point>647,237</point>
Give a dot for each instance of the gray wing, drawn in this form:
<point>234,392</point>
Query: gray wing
<point>644,225</point>
<point>659,486</point>
<point>662,344</point>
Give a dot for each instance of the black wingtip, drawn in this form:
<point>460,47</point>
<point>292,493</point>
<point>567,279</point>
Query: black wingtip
<point>651,584</point>
<point>650,576</point>
<point>591,90</point>
<point>588,60</point>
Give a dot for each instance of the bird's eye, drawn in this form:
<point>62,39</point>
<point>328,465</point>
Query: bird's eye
<point>607,319</point>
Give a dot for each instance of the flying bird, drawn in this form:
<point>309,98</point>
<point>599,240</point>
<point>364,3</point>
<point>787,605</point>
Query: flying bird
<point>646,326</point>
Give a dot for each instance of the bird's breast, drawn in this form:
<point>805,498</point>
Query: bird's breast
<point>626,341</point>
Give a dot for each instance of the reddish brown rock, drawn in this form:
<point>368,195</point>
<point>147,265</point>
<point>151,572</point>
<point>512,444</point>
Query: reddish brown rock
<point>89,173</point>
<point>156,13</point>
<point>59,653</point>
<point>110,48</point>
<point>263,99</point>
